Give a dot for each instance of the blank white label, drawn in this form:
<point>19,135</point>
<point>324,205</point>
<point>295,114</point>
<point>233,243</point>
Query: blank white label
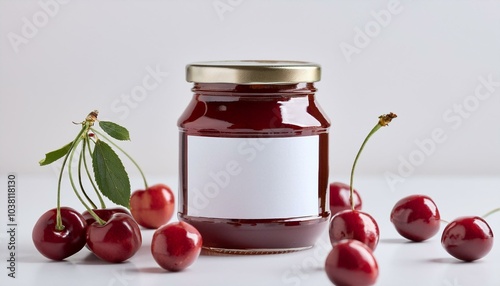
<point>252,178</point>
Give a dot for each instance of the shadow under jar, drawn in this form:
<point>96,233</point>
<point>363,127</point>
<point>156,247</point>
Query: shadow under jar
<point>254,156</point>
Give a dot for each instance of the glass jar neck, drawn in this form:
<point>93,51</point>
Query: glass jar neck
<point>253,89</point>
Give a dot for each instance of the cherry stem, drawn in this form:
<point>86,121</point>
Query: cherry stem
<point>444,221</point>
<point>86,143</point>
<point>126,154</point>
<point>491,212</point>
<point>59,224</point>
<point>384,120</point>
<point>94,215</point>
<point>80,161</point>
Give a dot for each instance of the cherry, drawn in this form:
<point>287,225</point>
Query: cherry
<point>59,244</point>
<point>176,245</point>
<point>152,207</point>
<point>115,241</point>
<point>467,238</point>
<point>340,198</point>
<point>351,262</point>
<point>104,214</point>
<point>355,225</point>
<point>416,217</point>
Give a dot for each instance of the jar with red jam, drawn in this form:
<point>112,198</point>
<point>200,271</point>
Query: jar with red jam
<point>254,156</point>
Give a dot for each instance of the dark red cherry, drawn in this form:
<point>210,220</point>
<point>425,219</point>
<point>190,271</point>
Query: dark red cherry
<point>352,263</point>
<point>467,238</point>
<point>340,198</point>
<point>416,217</point>
<point>104,214</point>
<point>115,241</point>
<point>59,244</point>
<point>356,225</point>
<point>176,245</point>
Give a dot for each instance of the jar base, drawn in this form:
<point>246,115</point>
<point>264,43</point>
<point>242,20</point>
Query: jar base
<point>258,236</point>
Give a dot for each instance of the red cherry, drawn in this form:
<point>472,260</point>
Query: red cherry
<point>117,240</point>
<point>176,245</point>
<point>356,225</point>
<point>351,262</point>
<point>340,198</point>
<point>152,207</point>
<point>416,217</point>
<point>104,214</point>
<point>467,238</point>
<point>59,244</point>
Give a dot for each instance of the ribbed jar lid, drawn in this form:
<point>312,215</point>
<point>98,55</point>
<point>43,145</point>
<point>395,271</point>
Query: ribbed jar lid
<point>253,72</point>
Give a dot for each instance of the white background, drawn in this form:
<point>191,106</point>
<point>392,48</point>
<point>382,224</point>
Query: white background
<point>423,64</point>
<point>420,64</point>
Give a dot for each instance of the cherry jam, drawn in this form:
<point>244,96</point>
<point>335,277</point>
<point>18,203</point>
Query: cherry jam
<point>254,157</point>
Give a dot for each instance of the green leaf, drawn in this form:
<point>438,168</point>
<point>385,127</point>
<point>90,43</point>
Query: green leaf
<point>114,130</point>
<point>56,154</point>
<point>110,174</point>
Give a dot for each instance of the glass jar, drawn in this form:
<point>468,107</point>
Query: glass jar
<point>254,156</point>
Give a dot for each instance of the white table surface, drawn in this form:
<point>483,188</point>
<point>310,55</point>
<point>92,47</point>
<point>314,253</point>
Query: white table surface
<point>400,262</point>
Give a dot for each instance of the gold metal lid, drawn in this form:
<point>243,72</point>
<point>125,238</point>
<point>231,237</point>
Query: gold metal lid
<point>253,72</point>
